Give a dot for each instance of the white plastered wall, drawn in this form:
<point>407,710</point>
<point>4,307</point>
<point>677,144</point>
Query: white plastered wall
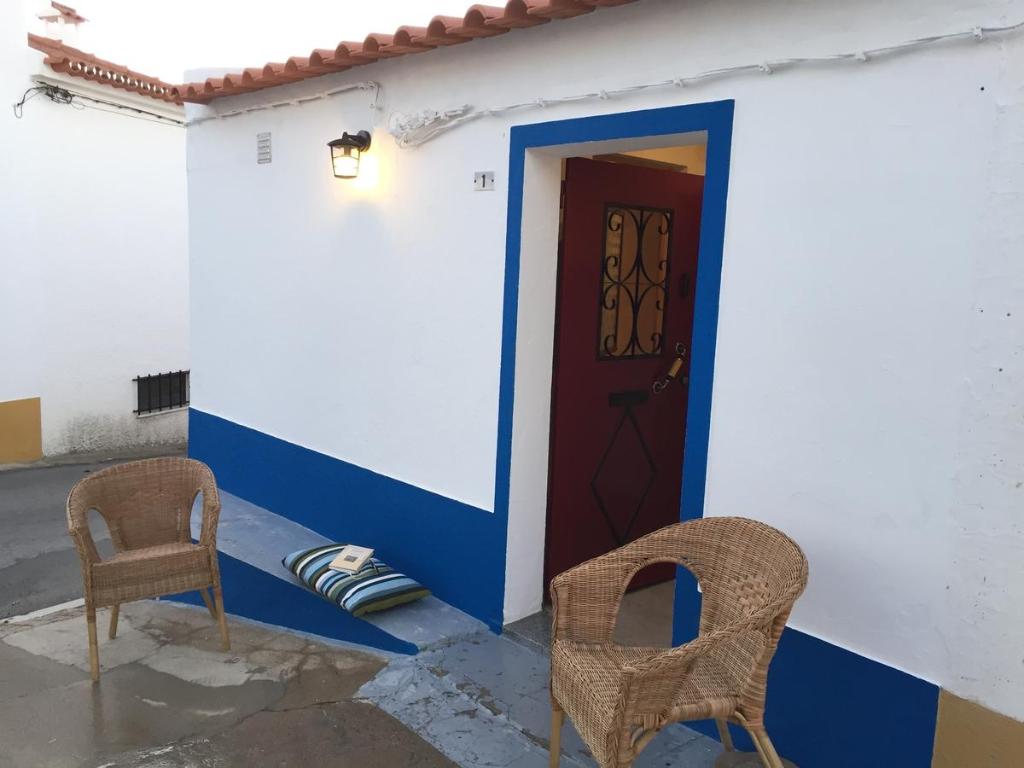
<point>869,362</point>
<point>93,262</point>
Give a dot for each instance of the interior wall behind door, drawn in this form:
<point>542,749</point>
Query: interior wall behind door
<point>527,504</point>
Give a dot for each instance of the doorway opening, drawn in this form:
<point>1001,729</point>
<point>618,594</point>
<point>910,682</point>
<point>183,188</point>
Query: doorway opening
<point>629,237</point>
<point>628,243</point>
<point>541,156</point>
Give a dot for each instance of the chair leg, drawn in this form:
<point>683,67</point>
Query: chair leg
<point>555,748</point>
<point>222,619</point>
<point>94,646</point>
<point>205,594</point>
<point>114,612</point>
<point>724,736</point>
<point>765,748</point>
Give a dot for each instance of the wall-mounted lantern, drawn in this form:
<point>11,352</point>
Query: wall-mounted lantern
<point>345,153</point>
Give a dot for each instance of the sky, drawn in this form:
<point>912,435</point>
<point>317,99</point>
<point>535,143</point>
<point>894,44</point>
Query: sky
<point>164,38</point>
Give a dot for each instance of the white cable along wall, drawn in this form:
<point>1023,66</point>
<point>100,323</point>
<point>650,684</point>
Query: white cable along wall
<point>366,85</point>
<point>417,128</point>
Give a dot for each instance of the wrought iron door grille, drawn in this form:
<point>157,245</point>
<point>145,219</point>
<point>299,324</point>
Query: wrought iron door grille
<point>161,392</point>
<point>634,276</point>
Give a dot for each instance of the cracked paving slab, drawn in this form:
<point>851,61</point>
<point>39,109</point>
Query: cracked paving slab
<point>168,696</point>
<point>483,702</point>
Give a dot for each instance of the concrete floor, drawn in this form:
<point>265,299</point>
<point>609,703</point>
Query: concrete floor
<point>483,701</point>
<point>170,698</point>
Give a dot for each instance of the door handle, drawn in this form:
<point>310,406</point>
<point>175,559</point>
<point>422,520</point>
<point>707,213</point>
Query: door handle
<point>659,385</point>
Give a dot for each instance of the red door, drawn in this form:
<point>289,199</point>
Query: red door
<point>622,343</point>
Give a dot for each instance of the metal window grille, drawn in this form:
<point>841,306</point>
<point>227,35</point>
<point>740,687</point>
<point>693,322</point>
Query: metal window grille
<point>161,392</point>
<point>634,280</point>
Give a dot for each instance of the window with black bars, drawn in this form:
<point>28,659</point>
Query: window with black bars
<point>161,392</point>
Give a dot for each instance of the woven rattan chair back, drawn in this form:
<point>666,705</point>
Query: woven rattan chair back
<point>144,503</point>
<point>742,565</point>
<point>744,568</point>
<point>750,575</point>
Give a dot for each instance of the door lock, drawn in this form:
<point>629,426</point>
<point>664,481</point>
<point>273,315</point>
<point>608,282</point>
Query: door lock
<point>658,386</point>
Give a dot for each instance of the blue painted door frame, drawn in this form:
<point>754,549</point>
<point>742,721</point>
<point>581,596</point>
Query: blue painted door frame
<point>715,118</point>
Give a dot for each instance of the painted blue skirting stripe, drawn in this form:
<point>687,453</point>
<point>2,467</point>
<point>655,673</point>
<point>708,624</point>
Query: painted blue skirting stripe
<point>827,706</point>
<point>256,594</point>
<point>454,549</point>
<point>832,708</point>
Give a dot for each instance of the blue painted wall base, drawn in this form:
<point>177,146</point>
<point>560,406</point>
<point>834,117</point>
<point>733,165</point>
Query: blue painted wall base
<point>454,549</point>
<point>830,707</point>
<point>255,594</point>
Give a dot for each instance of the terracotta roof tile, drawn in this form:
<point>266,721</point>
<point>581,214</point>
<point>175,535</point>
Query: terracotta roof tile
<point>475,22</point>
<point>66,12</point>
<point>323,60</point>
<point>440,32</point>
<point>479,21</point>
<point>519,13</point>
<point>71,61</point>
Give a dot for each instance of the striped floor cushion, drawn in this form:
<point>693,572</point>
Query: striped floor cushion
<point>375,587</point>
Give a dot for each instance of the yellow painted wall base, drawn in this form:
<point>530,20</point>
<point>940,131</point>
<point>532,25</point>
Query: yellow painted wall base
<point>21,431</point>
<point>969,736</point>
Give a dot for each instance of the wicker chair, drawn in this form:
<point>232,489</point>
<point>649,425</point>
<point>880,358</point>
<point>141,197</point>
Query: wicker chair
<point>147,505</point>
<point>750,575</point>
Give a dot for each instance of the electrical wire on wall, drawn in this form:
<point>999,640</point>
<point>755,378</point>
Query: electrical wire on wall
<point>31,93</point>
<point>368,85</point>
<point>417,128</point>
<point>59,95</point>
<point>412,130</point>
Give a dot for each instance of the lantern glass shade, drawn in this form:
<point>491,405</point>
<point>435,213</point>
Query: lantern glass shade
<point>345,153</point>
<point>346,162</point>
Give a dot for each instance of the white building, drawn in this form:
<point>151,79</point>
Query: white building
<point>373,357</point>
<point>93,266</point>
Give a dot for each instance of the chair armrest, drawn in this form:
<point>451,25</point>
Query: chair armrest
<point>585,599</point>
<point>85,545</point>
<point>683,656</point>
<point>585,604</point>
<point>211,509</point>
<point>654,682</point>
<point>78,528</point>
